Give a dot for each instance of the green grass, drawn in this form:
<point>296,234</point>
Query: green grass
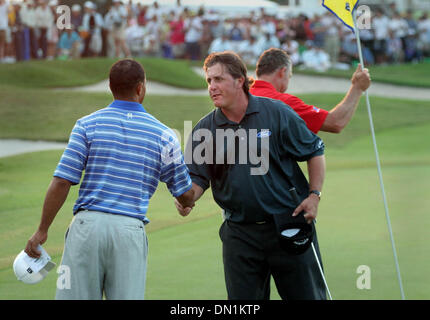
<point>72,73</point>
<point>185,253</point>
<point>413,75</point>
<point>50,115</point>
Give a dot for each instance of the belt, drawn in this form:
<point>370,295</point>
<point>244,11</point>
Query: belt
<point>227,216</point>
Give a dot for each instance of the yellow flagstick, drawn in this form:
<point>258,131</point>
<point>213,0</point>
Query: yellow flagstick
<point>381,182</point>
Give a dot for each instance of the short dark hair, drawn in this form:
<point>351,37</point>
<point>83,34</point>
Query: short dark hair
<point>271,60</point>
<point>124,76</point>
<point>234,64</point>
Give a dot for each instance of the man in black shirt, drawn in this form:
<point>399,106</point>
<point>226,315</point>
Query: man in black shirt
<point>247,150</point>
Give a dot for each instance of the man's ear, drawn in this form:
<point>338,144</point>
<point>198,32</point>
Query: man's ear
<point>281,71</point>
<point>141,89</point>
<point>240,82</point>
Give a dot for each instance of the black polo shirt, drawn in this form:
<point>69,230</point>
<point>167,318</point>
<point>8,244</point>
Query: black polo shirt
<point>246,186</point>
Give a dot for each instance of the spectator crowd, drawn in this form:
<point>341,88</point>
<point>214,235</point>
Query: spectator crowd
<point>29,30</point>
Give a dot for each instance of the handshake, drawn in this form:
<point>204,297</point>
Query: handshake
<point>185,202</point>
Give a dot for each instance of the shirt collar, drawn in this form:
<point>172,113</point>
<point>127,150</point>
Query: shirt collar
<point>127,105</point>
<point>263,84</point>
<point>252,107</point>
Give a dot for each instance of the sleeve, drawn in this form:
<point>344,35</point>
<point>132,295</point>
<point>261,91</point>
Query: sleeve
<point>298,142</point>
<point>174,172</point>
<point>74,158</point>
<point>199,154</point>
<point>314,117</point>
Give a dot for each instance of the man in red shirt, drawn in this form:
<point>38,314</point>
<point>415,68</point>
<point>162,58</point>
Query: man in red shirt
<point>274,70</point>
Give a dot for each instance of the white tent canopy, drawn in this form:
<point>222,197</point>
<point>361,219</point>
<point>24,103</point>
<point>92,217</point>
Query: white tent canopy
<point>225,6</point>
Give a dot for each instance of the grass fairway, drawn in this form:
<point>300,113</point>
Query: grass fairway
<point>72,73</point>
<point>185,254</point>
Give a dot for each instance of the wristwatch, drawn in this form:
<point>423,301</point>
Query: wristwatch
<point>318,193</point>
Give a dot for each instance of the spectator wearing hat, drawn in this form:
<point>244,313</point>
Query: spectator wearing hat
<point>92,24</point>
<point>116,18</point>
<point>53,35</point>
<point>44,19</point>
<point>76,17</point>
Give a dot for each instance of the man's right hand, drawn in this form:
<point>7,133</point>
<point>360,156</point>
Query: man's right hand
<point>182,211</point>
<point>361,78</point>
<point>39,237</point>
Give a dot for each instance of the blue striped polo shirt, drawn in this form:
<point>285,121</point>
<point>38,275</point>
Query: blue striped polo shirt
<point>124,152</point>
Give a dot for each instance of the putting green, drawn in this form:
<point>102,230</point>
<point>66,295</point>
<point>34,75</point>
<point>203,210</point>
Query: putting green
<point>185,253</point>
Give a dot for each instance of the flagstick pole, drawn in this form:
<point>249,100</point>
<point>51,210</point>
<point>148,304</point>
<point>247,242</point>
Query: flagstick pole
<point>381,182</point>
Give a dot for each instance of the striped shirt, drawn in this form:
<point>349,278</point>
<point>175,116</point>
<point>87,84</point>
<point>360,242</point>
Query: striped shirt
<point>124,151</point>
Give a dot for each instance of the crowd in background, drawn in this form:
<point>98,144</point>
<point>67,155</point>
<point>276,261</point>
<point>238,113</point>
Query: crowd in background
<point>28,30</point>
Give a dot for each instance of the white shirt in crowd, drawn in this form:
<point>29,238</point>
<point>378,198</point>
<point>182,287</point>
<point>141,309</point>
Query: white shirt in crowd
<point>152,29</point>
<point>331,23</point>
<point>99,22</point>
<point>316,59</point>
<point>399,27</point>
<point>28,16</point>
<point>268,42</point>
<point>219,45</point>
<point>153,11</point>
<point>292,48</point>
<point>268,26</point>
<point>116,17</point>
<point>179,9</point>
<point>43,17</point>
<point>250,52</point>
<point>380,25</point>
<point>4,15</point>
<point>194,29</point>
<point>424,30</point>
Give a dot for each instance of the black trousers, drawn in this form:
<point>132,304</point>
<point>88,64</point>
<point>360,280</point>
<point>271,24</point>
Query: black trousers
<point>252,254</point>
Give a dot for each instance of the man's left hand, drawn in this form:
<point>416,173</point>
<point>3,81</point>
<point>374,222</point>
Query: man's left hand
<point>310,206</point>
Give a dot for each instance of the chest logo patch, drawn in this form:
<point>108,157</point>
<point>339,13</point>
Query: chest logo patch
<point>264,134</point>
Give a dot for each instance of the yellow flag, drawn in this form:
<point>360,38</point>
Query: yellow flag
<point>342,9</point>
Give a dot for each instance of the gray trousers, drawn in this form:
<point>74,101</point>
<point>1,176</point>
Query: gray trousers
<point>103,254</point>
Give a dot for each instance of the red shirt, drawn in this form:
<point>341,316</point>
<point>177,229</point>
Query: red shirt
<point>177,33</point>
<point>314,117</point>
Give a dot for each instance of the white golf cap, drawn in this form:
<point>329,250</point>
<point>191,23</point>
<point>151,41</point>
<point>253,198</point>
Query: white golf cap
<point>76,7</point>
<point>89,5</point>
<point>31,270</point>
<point>53,3</point>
